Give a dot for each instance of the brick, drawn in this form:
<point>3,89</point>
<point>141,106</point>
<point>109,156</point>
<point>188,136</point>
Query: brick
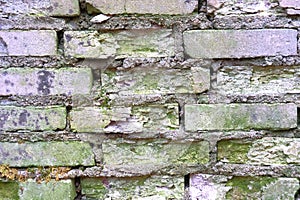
<point>240,43</point>
<point>240,116</point>
<point>158,118</point>
<point>234,7</point>
<point>154,187</point>
<point>265,151</point>
<point>119,44</point>
<point>294,4</point>
<point>28,81</point>
<point>46,154</point>
<point>64,189</point>
<point>155,80</point>
<point>149,155</point>
<point>204,186</point>
<point>9,190</point>
<point>268,80</point>
<point>28,43</point>
<point>68,8</point>
<point>14,118</point>
<point>172,7</point>
<point>293,12</point>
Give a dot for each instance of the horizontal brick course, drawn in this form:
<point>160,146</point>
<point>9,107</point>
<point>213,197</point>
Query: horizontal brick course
<point>57,8</point>
<point>119,44</point>
<point>265,151</point>
<point>54,189</point>
<point>28,81</point>
<point>28,43</point>
<point>143,7</point>
<point>147,155</point>
<point>124,188</point>
<point>247,80</point>
<point>154,80</point>
<point>240,43</point>
<point>157,118</point>
<point>240,116</point>
<point>46,154</point>
<point>14,118</point>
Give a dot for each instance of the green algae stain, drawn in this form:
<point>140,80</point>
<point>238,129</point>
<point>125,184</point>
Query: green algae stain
<point>244,188</point>
<point>233,151</point>
<point>9,191</point>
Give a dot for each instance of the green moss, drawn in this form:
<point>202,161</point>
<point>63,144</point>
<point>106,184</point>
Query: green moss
<point>9,191</point>
<point>247,187</point>
<point>234,151</point>
<point>196,153</point>
<point>150,82</point>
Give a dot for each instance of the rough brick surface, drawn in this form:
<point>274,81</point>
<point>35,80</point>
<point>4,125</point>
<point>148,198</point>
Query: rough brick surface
<point>32,118</point>
<point>234,7</point>
<point>295,4</point>
<point>265,151</point>
<point>153,80</point>
<point>46,154</point>
<point>43,7</point>
<point>204,186</point>
<point>154,187</point>
<point>27,81</point>
<point>28,43</point>
<point>149,156</point>
<point>244,80</point>
<point>119,44</point>
<point>64,189</point>
<point>240,116</point>
<point>240,43</point>
<point>159,118</point>
<point>141,7</point>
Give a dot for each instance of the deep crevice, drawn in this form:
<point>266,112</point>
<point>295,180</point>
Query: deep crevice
<point>78,188</point>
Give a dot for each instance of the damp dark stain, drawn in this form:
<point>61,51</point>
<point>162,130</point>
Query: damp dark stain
<point>8,82</point>
<point>68,37</point>
<point>3,47</point>
<point>55,4</point>
<point>3,119</point>
<point>23,118</point>
<point>45,81</point>
<point>70,11</point>
<point>4,73</point>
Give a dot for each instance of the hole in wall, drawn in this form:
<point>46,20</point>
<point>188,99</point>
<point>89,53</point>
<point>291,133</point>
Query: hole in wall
<point>186,181</point>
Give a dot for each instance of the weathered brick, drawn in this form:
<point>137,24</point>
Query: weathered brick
<point>157,118</point>
<point>42,7</point>
<point>294,4</point>
<point>246,80</point>
<point>154,187</point>
<point>119,44</point>
<point>152,155</point>
<point>172,7</point>
<point>64,189</point>
<point>25,81</point>
<point>14,118</point>
<point>240,43</point>
<point>30,189</point>
<point>240,116</point>
<point>237,7</point>
<point>204,186</point>
<point>28,43</point>
<point>155,80</point>
<point>265,151</point>
<point>46,154</point>
<point>9,190</point>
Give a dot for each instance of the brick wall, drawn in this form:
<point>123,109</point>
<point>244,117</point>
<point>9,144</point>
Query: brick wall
<point>151,99</point>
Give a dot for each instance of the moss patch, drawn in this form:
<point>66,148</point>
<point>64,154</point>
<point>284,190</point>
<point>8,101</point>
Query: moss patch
<point>234,151</point>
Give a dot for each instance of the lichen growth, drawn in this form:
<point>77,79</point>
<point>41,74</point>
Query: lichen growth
<point>234,151</point>
<point>247,187</point>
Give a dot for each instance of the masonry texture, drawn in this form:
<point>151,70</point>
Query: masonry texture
<point>149,99</point>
